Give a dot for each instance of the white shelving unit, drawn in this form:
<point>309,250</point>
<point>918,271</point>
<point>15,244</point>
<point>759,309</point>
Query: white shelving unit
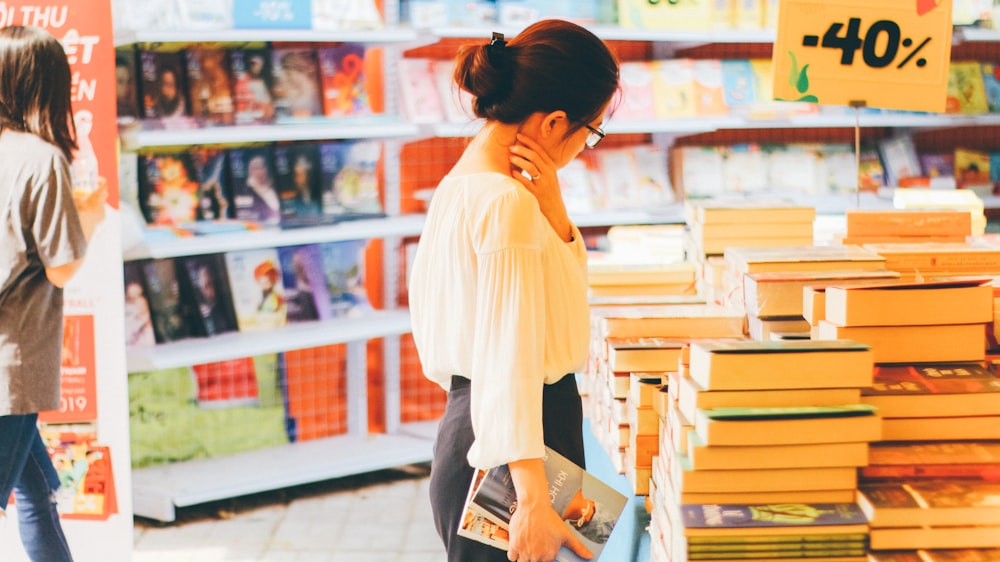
<point>404,225</point>
<point>305,130</point>
<point>300,335</point>
<point>158,491</point>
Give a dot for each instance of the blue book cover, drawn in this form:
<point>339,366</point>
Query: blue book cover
<point>296,168</point>
<point>737,86</point>
<point>344,268</point>
<point>722,517</point>
<point>305,283</point>
<point>349,183</point>
<point>266,14</point>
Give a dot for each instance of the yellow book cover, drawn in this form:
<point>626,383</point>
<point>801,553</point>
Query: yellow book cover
<point>911,304</point>
<point>966,89</point>
<point>675,14</point>
<point>674,92</point>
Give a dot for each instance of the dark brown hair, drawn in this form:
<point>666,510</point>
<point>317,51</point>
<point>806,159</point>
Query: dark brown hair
<point>35,85</point>
<point>552,65</point>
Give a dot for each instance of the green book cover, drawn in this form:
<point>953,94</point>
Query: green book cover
<point>790,412</point>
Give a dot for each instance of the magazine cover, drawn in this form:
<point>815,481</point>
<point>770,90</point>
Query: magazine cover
<point>296,168</point>
<point>590,507</point>
<point>296,83</point>
<point>342,75</point>
<point>163,89</point>
<point>208,85</point>
<point>172,318</point>
<point>257,289</point>
<point>305,283</point>
<point>252,82</point>
<point>127,84</point>
<point>138,321</point>
<point>349,183</point>
<point>207,287</point>
<point>168,194</point>
<point>344,268</point>
<point>86,481</point>
<point>255,197</point>
<point>210,172</point>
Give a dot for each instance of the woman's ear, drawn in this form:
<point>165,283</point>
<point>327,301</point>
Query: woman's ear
<point>554,123</point>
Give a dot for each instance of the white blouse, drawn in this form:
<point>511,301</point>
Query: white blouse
<point>496,296</point>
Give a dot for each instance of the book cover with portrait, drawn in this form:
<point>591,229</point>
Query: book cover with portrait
<point>205,284</point>
<point>296,82</point>
<point>209,89</point>
<point>212,174</point>
<point>342,75</point>
<point>252,82</point>
<point>589,507</point>
<point>168,192</point>
<point>344,270</point>
<point>164,92</point>
<point>305,283</point>
<point>173,316</point>
<point>349,179</point>
<point>127,84</point>
<point>296,168</point>
<point>138,320</point>
<point>255,196</point>
<point>257,289</point>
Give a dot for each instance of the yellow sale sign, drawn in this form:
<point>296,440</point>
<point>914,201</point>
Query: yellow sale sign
<point>891,54</point>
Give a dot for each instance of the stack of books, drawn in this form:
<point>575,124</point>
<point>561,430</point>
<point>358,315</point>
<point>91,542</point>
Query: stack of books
<point>936,401</point>
<point>644,429</point>
<point>936,260</point>
<point>929,514</point>
<point>907,226</point>
<point>651,335</point>
<point>608,276</point>
<point>716,224</point>
<point>912,322</point>
<point>774,300</point>
<point>819,532</point>
<point>756,423</point>
<point>741,260</point>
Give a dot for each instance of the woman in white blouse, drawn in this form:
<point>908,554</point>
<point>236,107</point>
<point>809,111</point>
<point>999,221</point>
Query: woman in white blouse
<point>498,285</point>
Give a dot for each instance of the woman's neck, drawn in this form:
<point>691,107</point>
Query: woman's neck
<point>489,150</point>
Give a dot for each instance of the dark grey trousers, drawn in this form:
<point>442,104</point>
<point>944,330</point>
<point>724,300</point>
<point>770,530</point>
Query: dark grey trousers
<point>562,416</point>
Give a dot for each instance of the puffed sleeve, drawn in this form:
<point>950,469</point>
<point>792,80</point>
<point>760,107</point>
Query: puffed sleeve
<point>508,354</point>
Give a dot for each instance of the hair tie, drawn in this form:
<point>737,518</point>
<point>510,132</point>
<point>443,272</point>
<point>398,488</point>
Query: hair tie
<point>495,50</point>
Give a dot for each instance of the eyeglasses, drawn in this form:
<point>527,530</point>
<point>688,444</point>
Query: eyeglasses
<point>595,137</point>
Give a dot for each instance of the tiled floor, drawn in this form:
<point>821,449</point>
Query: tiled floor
<point>378,517</point>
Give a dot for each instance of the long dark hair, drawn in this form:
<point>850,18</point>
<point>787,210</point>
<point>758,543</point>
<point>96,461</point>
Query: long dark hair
<point>552,65</point>
<point>35,85</point>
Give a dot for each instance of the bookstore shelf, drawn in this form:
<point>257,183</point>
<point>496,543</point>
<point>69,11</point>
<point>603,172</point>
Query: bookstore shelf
<point>394,35</point>
<point>616,33</point>
<point>158,491</point>
<point>305,130</point>
<point>690,125</point>
<point>362,229</point>
<point>300,335</point>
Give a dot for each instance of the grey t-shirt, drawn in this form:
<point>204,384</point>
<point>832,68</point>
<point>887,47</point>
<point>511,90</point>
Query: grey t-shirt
<point>39,228</point>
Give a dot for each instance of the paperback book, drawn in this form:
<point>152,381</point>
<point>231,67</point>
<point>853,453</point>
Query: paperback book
<point>258,290</point>
<point>296,83</point>
<point>208,86</point>
<point>255,196</point>
<point>164,91</point>
<point>934,390</point>
<point>206,284</point>
<point>342,75</point>
<point>252,83</point>
<point>138,321</point>
<point>168,194</point>
<point>211,173</point>
<point>349,178</point>
<point>344,268</point>
<point>589,506</point>
<point>173,318</point>
<point>305,283</point>
<point>296,168</point>
<point>935,503</point>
